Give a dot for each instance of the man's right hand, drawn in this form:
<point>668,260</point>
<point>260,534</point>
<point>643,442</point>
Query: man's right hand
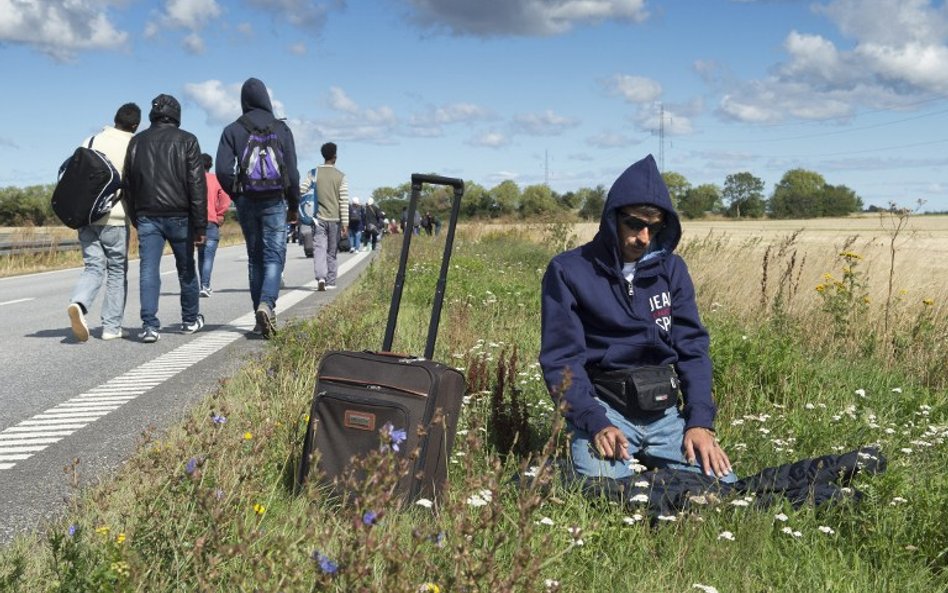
<point>612,444</point>
<point>292,214</point>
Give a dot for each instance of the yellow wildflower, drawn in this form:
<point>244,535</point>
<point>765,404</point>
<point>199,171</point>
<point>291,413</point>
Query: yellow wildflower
<point>820,287</point>
<point>102,530</point>
<point>429,588</point>
<point>928,302</point>
<point>259,508</point>
<point>248,435</point>
<point>120,538</point>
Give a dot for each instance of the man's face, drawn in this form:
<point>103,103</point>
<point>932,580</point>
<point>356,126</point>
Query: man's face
<point>636,231</point>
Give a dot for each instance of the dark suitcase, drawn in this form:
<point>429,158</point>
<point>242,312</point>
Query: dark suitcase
<point>362,399</point>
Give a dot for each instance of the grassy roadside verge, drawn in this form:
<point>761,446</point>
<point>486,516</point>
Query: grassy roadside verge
<point>209,507</point>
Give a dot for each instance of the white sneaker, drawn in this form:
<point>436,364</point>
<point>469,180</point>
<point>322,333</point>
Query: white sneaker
<point>113,335</point>
<point>149,335</point>
<point>78,321</point>
<point>190,328</point>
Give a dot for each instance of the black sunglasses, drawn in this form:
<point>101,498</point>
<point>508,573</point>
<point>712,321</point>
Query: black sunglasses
<point>636,225</point>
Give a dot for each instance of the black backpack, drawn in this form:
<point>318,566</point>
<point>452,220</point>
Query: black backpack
<point>87,187</point>
<point>262,170</point>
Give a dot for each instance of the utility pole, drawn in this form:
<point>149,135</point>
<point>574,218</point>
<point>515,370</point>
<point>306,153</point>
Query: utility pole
<point>661,137</point>
<point>546,167</point>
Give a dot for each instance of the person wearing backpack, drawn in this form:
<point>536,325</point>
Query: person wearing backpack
<point>166,195</point>
<point>256,165</point>
<point>105,241</point>
<point>332,215</point>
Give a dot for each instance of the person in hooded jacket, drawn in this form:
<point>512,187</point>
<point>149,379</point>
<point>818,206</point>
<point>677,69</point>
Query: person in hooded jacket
<point>263,216</point>
<point>166,198</point>
<point>620,308</point>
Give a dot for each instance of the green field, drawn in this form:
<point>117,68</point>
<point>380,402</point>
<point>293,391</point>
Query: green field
<point>800,371</point>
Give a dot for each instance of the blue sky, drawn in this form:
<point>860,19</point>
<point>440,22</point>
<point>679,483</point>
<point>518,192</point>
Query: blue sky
<point>568,92</point>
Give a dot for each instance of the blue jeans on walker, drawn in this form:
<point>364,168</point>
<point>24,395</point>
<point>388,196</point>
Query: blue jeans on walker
<point>263,223</point>
<point>654,441</point>
<point>153,231</point>
<point>207,252</point>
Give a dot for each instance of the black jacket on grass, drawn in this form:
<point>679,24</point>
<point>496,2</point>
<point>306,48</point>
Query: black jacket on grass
<point>664,492</point>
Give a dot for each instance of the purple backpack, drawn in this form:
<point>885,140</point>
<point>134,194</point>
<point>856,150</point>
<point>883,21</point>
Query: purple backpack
<point>262,171</point>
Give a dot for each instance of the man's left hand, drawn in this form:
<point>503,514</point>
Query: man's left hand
<point>700,442</point>
<point>344,231</point>
<point>199,239</point>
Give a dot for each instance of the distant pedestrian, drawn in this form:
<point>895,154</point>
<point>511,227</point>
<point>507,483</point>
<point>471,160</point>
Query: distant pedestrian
<point>167,200</point>
<point>373,225</point>
<point>105,241</point>
<point>217,204</point>
<point>264,205</point>
<point>332,215</point>
<point>355,225</point>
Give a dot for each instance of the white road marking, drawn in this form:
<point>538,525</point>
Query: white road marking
<point>31,436</point>
<point>16,301</point>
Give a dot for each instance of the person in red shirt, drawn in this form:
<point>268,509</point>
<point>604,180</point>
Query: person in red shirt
<point>217,204</point>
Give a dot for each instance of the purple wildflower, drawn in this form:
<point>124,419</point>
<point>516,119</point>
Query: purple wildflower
<point>394,436</point>
<point>218,418</point>
<point>325,563</point>
<point>369,518</point>
<point>190,466</point>
<point>72,529</point>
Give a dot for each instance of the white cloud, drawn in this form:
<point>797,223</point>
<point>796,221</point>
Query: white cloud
<point>487,18</point>
<point>298,49</point>
<point>610,139</point>
<point>431,123</point>
<point>340,101</point>
<point>305,14</point>
<point>547,123</point>
<point>221,102</point>
<point>190,14</point>
<point>490,139</point>
<point>634,89</point>
<point>60,28</point>
<point>898,56</point>
<point>193,43</point>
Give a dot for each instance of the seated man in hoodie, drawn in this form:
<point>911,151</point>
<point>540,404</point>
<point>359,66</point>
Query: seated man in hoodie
<point>621,333</point>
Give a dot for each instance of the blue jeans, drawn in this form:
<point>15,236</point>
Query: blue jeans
<point>263,223</point>
<point>655,442</point>
<point>207,252</point>
<point>325,249</point>
<point>153,232</point>
<point>105,257</point>
<point>355,235</point>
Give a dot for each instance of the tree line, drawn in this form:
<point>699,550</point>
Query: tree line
<point>798,194</point>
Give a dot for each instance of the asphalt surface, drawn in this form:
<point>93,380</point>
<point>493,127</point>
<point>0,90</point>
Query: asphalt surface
<point>61,399</point>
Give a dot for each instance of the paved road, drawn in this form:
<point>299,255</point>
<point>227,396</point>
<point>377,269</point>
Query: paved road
<point>61,399</point>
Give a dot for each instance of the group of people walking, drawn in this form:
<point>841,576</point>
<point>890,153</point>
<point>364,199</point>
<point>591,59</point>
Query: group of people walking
<point>171,197</point>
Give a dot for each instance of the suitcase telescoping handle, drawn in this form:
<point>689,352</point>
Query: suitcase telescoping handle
<point>417,180</point>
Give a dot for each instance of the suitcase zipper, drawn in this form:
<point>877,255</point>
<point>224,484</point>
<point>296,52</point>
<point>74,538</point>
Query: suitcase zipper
<point>374,386</point>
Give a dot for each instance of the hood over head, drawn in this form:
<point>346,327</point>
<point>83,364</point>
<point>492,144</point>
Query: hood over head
<point>370,201</point>
<point>254,95</point>
<point>641,183</point>
<point>165,108</point>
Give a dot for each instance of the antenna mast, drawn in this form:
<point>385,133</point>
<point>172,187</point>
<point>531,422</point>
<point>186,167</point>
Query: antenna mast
<point>661,137</point>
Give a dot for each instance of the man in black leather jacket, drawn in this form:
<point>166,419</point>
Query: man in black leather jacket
<point>167,201</point>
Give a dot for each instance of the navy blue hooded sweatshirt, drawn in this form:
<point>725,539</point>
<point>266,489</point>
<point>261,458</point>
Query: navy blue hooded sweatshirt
<point>255,104</point>
<point>589,317</point>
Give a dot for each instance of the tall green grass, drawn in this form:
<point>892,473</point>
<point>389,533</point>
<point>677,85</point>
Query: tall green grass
<point>209,505</point>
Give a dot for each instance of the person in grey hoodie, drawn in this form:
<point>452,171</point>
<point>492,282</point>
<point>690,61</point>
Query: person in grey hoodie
<point>263,215</point>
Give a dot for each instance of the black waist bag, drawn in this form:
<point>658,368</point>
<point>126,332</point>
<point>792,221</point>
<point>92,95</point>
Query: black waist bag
<point>632,392</point>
